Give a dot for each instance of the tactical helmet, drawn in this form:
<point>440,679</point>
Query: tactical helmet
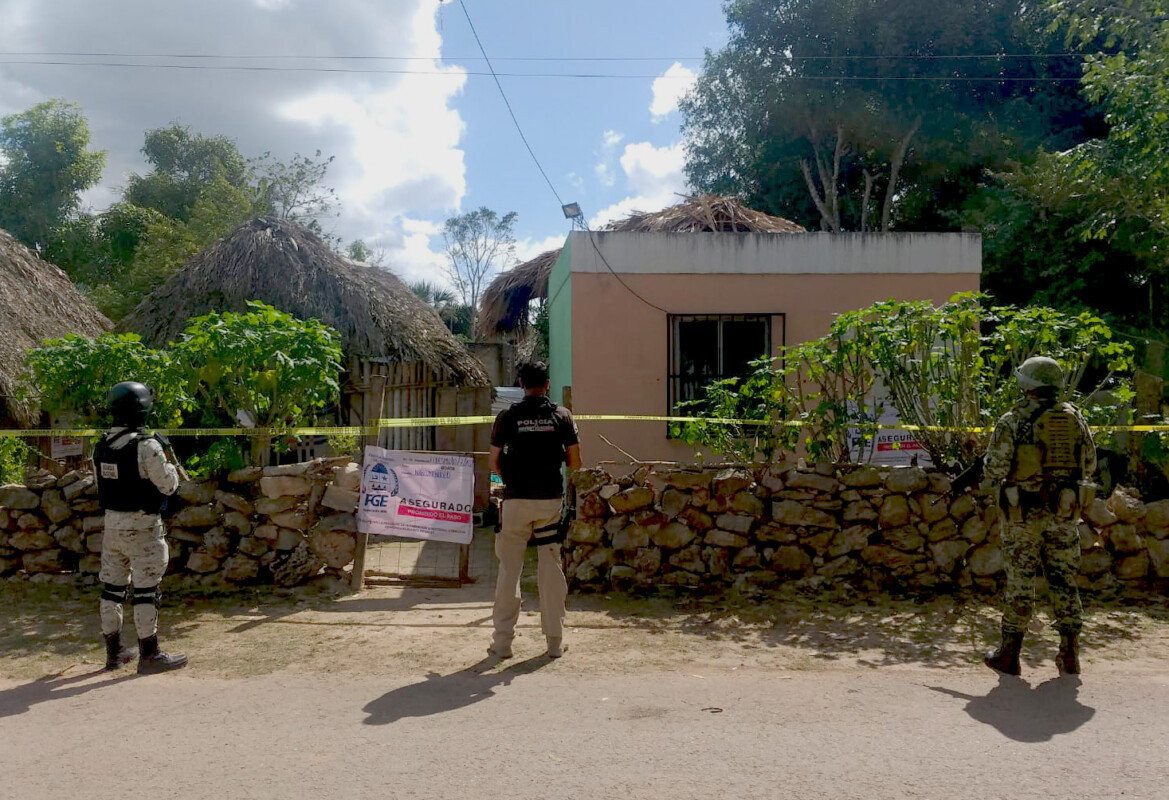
<point>1038,372</point>
<point>129,402</point>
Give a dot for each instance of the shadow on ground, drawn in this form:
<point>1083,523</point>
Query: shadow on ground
<point>1028,713</point>
<point>438,694</point>
<point>20,699</point>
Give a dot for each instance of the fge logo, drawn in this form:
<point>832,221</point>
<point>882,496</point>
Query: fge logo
<point>376,500</point>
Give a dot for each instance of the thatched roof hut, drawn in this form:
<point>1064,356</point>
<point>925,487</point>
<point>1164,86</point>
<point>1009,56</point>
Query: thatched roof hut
<point>505,302</point>
<point>282,264</point>
<point>37,302</point>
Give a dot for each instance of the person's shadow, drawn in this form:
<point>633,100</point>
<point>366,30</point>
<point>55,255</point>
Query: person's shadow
<point>441,693</point>
<point>20,699</point>
<point>1028,714</point>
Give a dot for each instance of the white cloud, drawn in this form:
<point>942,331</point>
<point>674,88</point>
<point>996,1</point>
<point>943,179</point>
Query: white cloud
<point>272,5</point>
<point>604,168</point>
<point>527,249</point>
<point>654,176</point>
<point>669,89</point>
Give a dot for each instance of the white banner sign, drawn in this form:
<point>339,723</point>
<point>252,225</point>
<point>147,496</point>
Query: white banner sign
<point>417,495</point>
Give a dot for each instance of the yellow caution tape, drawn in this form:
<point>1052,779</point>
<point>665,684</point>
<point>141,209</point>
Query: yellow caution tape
<point>436,422</point>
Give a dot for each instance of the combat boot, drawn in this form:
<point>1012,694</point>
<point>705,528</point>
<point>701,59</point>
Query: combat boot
<point>116,655</point>
<point>151,660</point>
<point>1067,660</point>
<point>1006,658</point>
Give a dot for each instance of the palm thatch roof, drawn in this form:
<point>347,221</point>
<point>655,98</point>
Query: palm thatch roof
<point>505,302</point>
<point>279,263</point>
<point>37,302</point>
<point>706,213</point>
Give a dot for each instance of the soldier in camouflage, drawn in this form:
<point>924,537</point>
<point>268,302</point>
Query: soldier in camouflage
<point>1041,455</point>
<point>134,479</point>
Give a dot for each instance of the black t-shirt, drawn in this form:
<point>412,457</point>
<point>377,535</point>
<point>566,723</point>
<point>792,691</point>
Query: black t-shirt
<point>533,435</point>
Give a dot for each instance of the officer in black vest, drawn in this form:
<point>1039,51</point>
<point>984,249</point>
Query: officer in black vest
<point>134,478</point>
<point>530,444</point>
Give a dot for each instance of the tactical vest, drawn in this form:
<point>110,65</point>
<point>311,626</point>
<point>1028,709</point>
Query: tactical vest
<point>120,485</point>
<point>534,452</point>
<point>1049,454</point>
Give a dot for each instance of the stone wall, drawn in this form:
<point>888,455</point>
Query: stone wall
<point>278,525</point>
<point>874,528</point>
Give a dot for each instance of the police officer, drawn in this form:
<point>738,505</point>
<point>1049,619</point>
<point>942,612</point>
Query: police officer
<point>134,479</point>
<point>530,442</point>
<point>1042,455</point>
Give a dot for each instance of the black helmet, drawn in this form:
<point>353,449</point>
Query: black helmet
<point>129,402</point>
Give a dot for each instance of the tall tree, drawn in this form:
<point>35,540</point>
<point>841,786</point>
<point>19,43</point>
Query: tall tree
<point>478,244</point>
<point>295,189</point>
<point>840,113</point>
<point>183,164</point>
<point>45,165</point>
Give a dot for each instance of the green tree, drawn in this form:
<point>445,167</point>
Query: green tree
<point>45,165</point>
<point>263,365</point>
<point>184,164</point>
<point>862,115</point>
<point>295,189</point>
<point>478,244</point>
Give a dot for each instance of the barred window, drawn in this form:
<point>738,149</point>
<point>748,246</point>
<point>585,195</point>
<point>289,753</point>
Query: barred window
<point>709,347</point>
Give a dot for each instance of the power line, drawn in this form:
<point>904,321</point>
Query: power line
<point>497,75</point>
<point>503,94</point>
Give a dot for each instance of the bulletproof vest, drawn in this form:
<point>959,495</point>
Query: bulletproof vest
<point>120,486</point>
<point>1049,450</point>
<point>531,458</point>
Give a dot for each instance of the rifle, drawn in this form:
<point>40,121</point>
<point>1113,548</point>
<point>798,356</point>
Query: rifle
<point>965,480</point>
<point>170,454</point>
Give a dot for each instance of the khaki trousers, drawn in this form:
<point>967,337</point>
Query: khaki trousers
<point>520,518</point>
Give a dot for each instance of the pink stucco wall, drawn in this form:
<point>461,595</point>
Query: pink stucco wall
<point>620,344</point>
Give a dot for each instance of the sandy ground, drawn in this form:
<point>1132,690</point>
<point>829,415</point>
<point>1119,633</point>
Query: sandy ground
<point>386,693</point>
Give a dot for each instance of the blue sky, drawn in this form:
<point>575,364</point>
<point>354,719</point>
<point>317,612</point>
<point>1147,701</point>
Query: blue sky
<point>411,149</point>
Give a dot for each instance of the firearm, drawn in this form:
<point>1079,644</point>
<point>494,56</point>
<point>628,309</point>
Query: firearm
<point>170,455</point>
<point>967,478</point>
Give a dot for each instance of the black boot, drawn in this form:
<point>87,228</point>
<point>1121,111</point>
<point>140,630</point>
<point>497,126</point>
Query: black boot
<point>116,655</point>
<point>1006,658</point>
<point>152,660</point>
<point>1067,660</point>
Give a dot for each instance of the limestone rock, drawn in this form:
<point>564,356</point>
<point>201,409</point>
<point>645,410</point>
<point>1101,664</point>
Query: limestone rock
<point>810,481</point>
<point>32,539</point>
<point>933,507</point>
<point>774,532</point>
<point>615,524</point>
<point>631,537</point>
<point>217,542</point>
<point>632,499</point>
<point>238,569</point>
<point>236,502</point>
<point>849,540</point>
<point>1159,556</point>
<point>650,519</point>
<point>687,481</point>
<point>673,536</point>
<point>884,556</point>
<point>939,483</point>
<point>681,578</point>
<point>44,561</point>
<point>69,538</point>
<point>86,507</point>
<point>736,523</point>
<point>689,559</point>
<point>789,512</point>
<point>54,507</point>
<point>729,482</point>
<point>974,530</point>
<point>237,522</point>
<point>197,493</point>
<point>962,507</point>
<point>295,520</point>
<point>337,522</point>
<point>586,480</point>
<point>591,505</point>
<point>73,490</point>
<point>673,501</point>
<point>718,561</point>
<point>16,496</point>
<point>746,559</point>
<point>790,559</point>
<point>340,499</point>
<point>30,520</point>
<point>287,471</point>
<point>859,511</point>
<point>986,560</point>
<point>721,538</point>
<point>944,529</point>
<point>335,548</point>
<point>696,518</point>
<point>287,540</point>
<point>607,491</point>
<point>197,517</point>
<point>906,480</point>
<point>1127,507</point>
<point>906,538</point>
<point>863,477</point>
<point>1095,561</point>
<point>296,566</point>
<point>622,574</point>
<point>746,503</point>
<point>245,475</point>
<point>771,480</point>
<point>894,511</point>
<point>250,545</point>
<point>284,486</point>
<point>1133,567</point>
<point>647,561</point>
<point>586,532</point>
<point>1100,515</point>
<point>202,562</point>
<point>1124,538</point>
<point>267,533</point>
<point>89,564</point>
<point>1157,518</point>
<point>948,554</point>
<point>274,505</point>
<point>93,542</point>
<point>72,476</point>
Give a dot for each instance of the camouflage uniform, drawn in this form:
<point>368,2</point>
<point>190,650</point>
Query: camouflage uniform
<point>134,545</point>
<point>1037,533</point>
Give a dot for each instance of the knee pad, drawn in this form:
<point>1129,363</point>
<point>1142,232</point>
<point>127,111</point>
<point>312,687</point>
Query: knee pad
<point>147,597</point>
<point>113,592</point>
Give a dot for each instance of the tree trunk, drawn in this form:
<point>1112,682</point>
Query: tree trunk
<point>894,172</point>
<point>868,196</point>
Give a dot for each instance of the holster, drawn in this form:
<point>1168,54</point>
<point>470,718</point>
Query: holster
<point>555,533</point>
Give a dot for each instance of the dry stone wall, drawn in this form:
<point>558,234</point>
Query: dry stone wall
<point>278,525</point>
<point>875,528</point>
